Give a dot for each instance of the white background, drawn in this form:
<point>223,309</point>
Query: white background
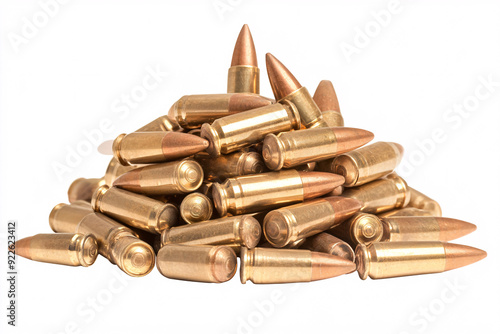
<point>69,74</point>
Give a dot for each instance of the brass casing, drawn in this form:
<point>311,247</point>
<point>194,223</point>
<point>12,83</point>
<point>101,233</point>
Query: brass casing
<point>243,230</point>
<point>362,228</point>
<point>286,225</point>
<point>139,147</point>
<point>308,167</point>
<point>115,169</point>
<point>196,208</point>
<point>410,229</point>
<point>64,248</point>
<point>406,212</point>
<point>333,118</point>
<point>252,193</point>
<point>82,189</point>
<point>230,133</point>
<point>289,149</point>
<point>191,111</point>
<point>364,164</point>
<point>269,265</point>
<point>327,243</point>
<point>310,114</point>
<point>395,259</point>
<point>390,192</point>
<point>64,218</point>
<point>230,165</point>
<point>294,245</point>
<point>243,79</point>
<point>421,201</point>
<point>212,264</point>
<point>135,210</point>
<point>162,123</point>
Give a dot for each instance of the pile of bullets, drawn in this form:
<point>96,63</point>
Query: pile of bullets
<point>197,188</point>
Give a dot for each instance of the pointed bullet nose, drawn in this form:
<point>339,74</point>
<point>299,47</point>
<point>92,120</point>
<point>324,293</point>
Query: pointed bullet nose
<point>129,181</point>
<point>282,81</point>
<point>344,207</point>
<point>400,148</point>
<point>22,247</point>
<point>316,184</point>
<point>460,256</point>
<point>244,50</point>
<point>177,145</point>
<point>327,266</point>
<point>450,229</point>
<point>349,139</point>
<point>325,96</point>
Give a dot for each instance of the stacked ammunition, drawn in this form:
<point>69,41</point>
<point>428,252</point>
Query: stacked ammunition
<point>279,183</point>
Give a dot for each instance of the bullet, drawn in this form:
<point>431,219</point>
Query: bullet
<point>365,164</point>
<point>82,189</point>
<point>291,223</point>
<point>191,111</point>
<point>115,169</point>
<point>326,100</point>
<point>244,230</point>
<point>337,191</point>
<point>362,228</point>
<point>59,248</point>
<point>168,178</point>
<point>289,149</point>
<point>327,243</point>
<point>231,133</point>
<point>266,191</point>
<point>117,243</point>
<point>244,75</point>
<point>156,146</point>
<point>162,123</point>
<point>268,265</point>
<point>308,167</point>
<point>388,193</point>
<point>294,245</point>
<point>406,212</point>
<point>286,88</point>
<point>135,210</point>
<point>212,264</point>
<point>206,189</point>
<point>424,229</point>
<point>421,201</point>
<point>196,208</point>
<point>230,165</point>
<point>396,259</point>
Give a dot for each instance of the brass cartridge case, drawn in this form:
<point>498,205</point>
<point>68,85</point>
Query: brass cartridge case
<point>365,164</point>
<point>82,189</point>
<point>243,79</point>
<point>162,123</point>
<point>294,245</point>
<point>310,114</point>
<point>337,191</point>
<point>115,169</point>
<point>230,133</point>
<point>362,228</point>
<point>230,165</point>
<point>327,243</point>
<point>64,218</point>
<point>421,201</point>
<point>191,111</point>
<point>289,149</point>
<point>59,248</point>
<point>206,189</point>
<point>212,264</point>
<point>332,118</point>
<point>327,101</point>
<point>135,210</point>
<point>196,208</point>
<point>169,178</point>
<point>406,212</point>
<point>308,167</point>
<point>388,193</point>
<point>243,230</point>
<point>411,229</point>
<point>291,223</point>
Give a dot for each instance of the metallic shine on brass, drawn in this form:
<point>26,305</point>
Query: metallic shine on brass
<point>388,193</point>
<point>362,228</point>
<point>231,133</point>
<point>327,243</point>
<point>196,208</point>
<point>326,99</point>
<point>244,230</point>
<point>212,264</point>
<point>230,165</point>
<point>421,201</point>
<point>59,248</point>
<point>244,75</point>
<point>135,210</point>
<point>64,218</point>
<point>406,212</point>
<point>115,169</point>
<point>82,189</point>
<point>162,123</point>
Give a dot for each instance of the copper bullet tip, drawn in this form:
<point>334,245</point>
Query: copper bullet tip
<point>316,184</point>
<point>450,229</point>
<point>400,148</point>
<point>344,207</point>
<point>349,139</point>
<point>177,145</point>
<point>23,248</point>
<point>327,266</point>
<point>129,181</point>
<point>244,50</point>
<point>282,80</point>
<point>325,97</point>
<point>459,255</point>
